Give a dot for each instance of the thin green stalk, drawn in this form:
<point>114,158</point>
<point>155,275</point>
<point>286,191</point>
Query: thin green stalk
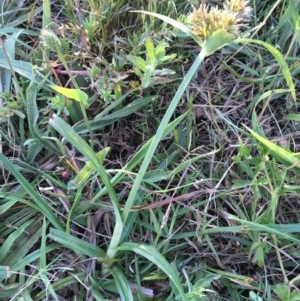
<point>117,235</point>
<point>159,134</point>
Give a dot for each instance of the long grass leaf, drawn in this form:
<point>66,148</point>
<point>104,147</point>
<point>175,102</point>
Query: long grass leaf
<point>25,243</point>
<point>75,94</point>
<point>138,157</point>
<point>87,170</point>
<point>122,283</point>
<point>25,17</point>
<point>10,240</point>
<point>267,228</point>
<point>31,257</point>
<point>43,261</point>
<point>40,203</point>
<point>76,244</point>
<point>172,22</point>
<point>61,284</point>
<point>48,284</point>
<point>156,258</point>
<point>46,13</point>
<point>32,116</point>
<point>159,134</point>
<point>9,46</point>
<point>284,156</point>
<point>70,135</point>
<point>23,68</point>
<point>279,58</point>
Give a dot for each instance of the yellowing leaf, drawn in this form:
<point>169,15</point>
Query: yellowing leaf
<point>75,94</point>
<point>281,154</point>
<point>87,170</point>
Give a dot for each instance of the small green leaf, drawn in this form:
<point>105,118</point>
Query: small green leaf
<point>294,296</point>
<point>75,94</point>
<point>160,52</point>
<point>138,62</point>
<point>292,116</point>
<point>151,58</point>
<point>282,291</point>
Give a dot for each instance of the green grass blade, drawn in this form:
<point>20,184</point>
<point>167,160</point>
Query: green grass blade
<point>70,135</point>
<point>32,116</point>
<point>156,258</point>
<point>10,240</point>
<point>132,107</point>
<point>49,288</point>
<point>21,200</point>
<point>25,17</point>
<point>25,243</point>
<point>7,205</point>
<point>122,284</point>
<point>9,46</point>
<point>172,22</point>
<point>23,68</point>
<point>62,284</point>
<point>77,245</point>
<point>14,30</point>
<point>284,156</point>
<point>40,203</point>
<point>74,94</point>
<point>268,228</point>
<point>139,156</point>
<point>43,261</point>
<point>87,171</point>
<point>159,134</point>
<point>31,257</point>
<point>46,13</point>
<point>279,58</point>
<point>269,94</point>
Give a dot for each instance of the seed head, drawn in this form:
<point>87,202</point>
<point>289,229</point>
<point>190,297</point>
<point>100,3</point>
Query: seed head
<point>50,39</point>
<point>240,7</point>
<point>205,21</point>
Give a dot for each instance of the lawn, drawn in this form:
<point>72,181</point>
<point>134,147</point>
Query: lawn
<point>149,150</point>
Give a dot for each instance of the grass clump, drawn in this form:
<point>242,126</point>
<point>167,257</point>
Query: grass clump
<point>143,161</point>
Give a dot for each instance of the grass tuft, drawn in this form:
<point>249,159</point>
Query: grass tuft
<point>149,150</point>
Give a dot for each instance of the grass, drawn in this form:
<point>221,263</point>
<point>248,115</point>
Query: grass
<point>138,165</point>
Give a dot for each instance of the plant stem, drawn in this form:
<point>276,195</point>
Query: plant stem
<point>159,134</point>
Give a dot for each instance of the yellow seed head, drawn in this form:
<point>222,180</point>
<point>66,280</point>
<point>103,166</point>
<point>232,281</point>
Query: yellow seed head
<point>240,7</point>
<point>205,21</point>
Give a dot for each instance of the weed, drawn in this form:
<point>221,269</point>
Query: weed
<point>149,150</point>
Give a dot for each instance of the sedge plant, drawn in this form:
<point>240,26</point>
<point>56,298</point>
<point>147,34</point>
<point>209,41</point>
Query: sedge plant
<point>212,29</point>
